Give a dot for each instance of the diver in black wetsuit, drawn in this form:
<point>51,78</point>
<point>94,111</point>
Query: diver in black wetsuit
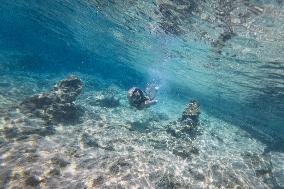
<point>139,100</point>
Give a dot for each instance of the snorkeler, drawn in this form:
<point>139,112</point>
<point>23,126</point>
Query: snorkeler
<point>138,99</point>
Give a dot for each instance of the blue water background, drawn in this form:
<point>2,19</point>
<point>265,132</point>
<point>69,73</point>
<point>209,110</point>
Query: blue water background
<point>63,36</point>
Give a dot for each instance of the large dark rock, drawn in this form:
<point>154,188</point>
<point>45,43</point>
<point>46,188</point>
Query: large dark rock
<point>187,125</point>
<point>64,113</point>
<point>68,90</point>
<point>33,181</point>
<point>57,105</point>
<point>190,115</point>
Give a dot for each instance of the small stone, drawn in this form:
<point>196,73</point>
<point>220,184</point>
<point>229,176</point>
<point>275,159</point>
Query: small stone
<point>109,147</point>
<point>30,150</point>
<point>59,161</point>
<point>98,181</point>
<point>33,181</point>
<point>198,175</point>
<point>182,153</point>
<point>31,158</point>
<point>127,177</point>
<point>263,172</point>
<point>173,132</point>
<point>89,141</point>
<point>80,185</point>
<point>122,162</point>
<point>120,165</point>
<point>114,169</point>
<point>194,150</point>
<point>54,172</point>
<point>10,132</point>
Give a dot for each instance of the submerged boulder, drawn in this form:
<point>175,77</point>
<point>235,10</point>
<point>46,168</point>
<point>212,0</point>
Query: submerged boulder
<point>67,112</point>
<point>187,124</point>
<point>68,90</point>
<point>190,115</point>
<point>33,181</point>
<point>57,105</point>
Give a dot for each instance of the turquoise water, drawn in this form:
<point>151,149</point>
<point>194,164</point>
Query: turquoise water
<point>227,55</point>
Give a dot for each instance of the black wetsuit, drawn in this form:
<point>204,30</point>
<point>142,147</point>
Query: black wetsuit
<point>138,100</point>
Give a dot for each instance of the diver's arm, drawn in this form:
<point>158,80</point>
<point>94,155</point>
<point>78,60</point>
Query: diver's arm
<point>151,91</point>
<point>148,103</point>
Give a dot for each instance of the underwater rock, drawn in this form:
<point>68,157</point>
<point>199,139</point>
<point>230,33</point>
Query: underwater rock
<point>79,185</point>
<point>181,130</point>
<point>68,90</point>
<point>10,132</point>
<point>29,158</point>
<point>186,126</point>
<point>54,172</point>
<point>33,181</point>
<point>222,39</point>
<point>57,105</point>
<point>64,113</point>
<point>38,101</point>
<point>98,181</point>
<point>197,174</point>
<point>89,141</point>
<point>183,153</point>
<point>114,169</point>
<point>121,165</point>
<point>190,115</point>
<point>108,147</point>
<point>59,161</point>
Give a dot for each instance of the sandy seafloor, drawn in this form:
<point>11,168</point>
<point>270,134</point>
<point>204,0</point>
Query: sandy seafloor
<point>124,148</point>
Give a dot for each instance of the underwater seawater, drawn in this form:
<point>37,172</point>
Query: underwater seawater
<point>67,119</point>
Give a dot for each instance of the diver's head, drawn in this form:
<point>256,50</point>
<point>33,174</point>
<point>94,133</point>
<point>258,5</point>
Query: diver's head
<point>136,97</point>
<point>137,92</point>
